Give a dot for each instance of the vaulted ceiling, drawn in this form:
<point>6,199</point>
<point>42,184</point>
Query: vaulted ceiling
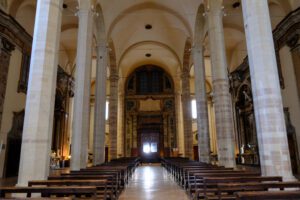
<point>170,24</point>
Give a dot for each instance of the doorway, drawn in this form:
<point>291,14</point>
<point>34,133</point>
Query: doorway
<point>14,141</point>
<point>149,147</point>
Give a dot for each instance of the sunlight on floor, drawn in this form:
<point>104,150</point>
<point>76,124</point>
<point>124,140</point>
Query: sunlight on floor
<point>152,182</point>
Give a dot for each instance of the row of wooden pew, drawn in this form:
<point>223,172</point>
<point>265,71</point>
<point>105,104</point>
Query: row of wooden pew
<point>105,181</point>
<point>206,181</point>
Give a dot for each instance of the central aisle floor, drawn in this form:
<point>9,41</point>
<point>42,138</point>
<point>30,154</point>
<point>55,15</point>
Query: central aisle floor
<point>152,182</point>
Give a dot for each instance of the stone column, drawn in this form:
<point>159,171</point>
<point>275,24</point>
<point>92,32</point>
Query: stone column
<point>179,120</point>
<point>5,52</point>
<point>170,130</point>
<point>38,122</point>
<point>268,108</point>
<point>134,132</point>
<point>121,121</point>
<point>222,97</point>
<point>187,114</point>
<point>212,128</point>
<point>81,118</point>
<point>201,100</point>
<point>165,129</point>
<point>100,105</point>
<point>113,115</point>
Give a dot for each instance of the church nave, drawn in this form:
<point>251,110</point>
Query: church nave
<point>152,182</point>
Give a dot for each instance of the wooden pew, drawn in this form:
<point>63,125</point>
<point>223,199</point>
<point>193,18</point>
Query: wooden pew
<point>212,180</point>
<point>106,181</point>
<point>113,180</point>
<point>210,186</point>
<point>111,185</point>
<point>82,191</point>
<point>226,190</point>
<point>197,183</point>
<point>101,185</point>
<point>124,172</point>
<point>191,174</point>
<point>117,174</point>
<point>268,195</point>
<point>37,198</point>
<point>188,172</point>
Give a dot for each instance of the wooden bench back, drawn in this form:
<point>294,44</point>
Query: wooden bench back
<point>242,179</point>
<point>48,191</point>
<point>267,195</point>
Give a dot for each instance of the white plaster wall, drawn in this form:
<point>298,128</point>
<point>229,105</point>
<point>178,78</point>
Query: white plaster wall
<point>120,125</point>
<point>26,17</point>
<point>63,60</point>
<point>290,95</point>
<point>14,101</point>
<point>277,13</point>
<point>238,55</point>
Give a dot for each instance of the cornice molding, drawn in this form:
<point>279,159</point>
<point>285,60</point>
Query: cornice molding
<point>14,32</point>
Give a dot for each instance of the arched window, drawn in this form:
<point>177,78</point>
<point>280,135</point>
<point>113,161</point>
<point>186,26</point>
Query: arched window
<point>106,110</point>
<point>149,79</point>
<point>194,109</point>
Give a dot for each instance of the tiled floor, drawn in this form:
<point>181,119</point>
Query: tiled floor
<point>152,182</point>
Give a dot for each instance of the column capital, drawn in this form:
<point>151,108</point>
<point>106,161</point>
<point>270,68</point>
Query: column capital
<point>214,7</point>
<point>85,8</point>
<point>102,46</point>
<point>114,77</point>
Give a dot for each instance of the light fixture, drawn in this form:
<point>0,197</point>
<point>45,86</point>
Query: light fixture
<point>148,26</point>
<point>236,4</point>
